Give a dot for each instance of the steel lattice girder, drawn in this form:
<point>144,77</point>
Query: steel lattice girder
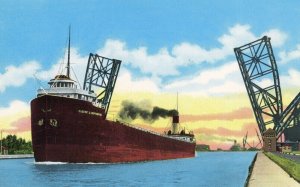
<point>258,66</point>
<point>102,72</point>
<point>290,116</point>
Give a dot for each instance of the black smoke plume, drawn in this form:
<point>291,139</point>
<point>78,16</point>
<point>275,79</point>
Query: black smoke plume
<point>132,111</point>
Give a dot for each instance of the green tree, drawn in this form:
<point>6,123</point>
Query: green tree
<point>17,145</point>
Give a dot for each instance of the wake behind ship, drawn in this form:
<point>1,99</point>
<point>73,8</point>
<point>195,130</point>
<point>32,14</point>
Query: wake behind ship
<point>69,124</point>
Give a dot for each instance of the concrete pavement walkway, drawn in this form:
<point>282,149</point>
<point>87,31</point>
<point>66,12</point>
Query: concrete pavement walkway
<point>267,173</point>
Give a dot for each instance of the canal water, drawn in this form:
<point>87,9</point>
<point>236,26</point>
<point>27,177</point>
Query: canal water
<point>216,169</point>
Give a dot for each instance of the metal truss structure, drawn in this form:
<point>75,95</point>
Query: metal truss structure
<point>290,116</point>
<point>260,74</point>
<point>101,72</point>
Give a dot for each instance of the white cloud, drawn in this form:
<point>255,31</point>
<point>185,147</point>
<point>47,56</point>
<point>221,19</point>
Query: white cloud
<point>17,109</point>
<point>286,57</point>
<point>291,79</point>
<point>206,76</point>
<point>278,37</point>
<point>125,83</point>
<point>14,107</point>
<point>217,81</point>
<point>238,35</point>
<point>167,62</point>
<point>219,73</point>
<point>187,53</point>
<point>17,76</point>
<point>161,63</point>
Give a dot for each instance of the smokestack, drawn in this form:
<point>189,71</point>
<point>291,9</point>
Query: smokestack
<point>175,119</point>
<point>175,124</point>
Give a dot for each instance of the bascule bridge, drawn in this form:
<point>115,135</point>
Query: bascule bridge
<point>260,74</point>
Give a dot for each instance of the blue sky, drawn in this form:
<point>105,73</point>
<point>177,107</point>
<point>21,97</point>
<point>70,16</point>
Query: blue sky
<point>35,33</point>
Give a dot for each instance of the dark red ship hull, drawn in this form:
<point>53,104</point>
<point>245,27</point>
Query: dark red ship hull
<point>70,130</point>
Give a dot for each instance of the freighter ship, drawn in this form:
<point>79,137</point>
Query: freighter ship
<point>69,123</point>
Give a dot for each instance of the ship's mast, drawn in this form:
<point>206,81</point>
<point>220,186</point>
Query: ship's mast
<point>177,103</point>
<point>68,64</point>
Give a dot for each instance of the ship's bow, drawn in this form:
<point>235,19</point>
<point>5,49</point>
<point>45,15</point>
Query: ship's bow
<point>38,128</point>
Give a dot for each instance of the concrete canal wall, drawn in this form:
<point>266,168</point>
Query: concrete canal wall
<point>16,156</point>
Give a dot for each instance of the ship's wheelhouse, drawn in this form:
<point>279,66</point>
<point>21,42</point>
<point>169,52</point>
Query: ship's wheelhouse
<point>63,86</point>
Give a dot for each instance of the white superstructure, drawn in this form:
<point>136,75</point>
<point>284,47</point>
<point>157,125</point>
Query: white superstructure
<point>63,86</point>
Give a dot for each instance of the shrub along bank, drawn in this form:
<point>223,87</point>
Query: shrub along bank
<point>291,167</point>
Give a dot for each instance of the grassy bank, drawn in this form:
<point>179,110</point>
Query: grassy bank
<point>296,152</point>
<point>291,167</point>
